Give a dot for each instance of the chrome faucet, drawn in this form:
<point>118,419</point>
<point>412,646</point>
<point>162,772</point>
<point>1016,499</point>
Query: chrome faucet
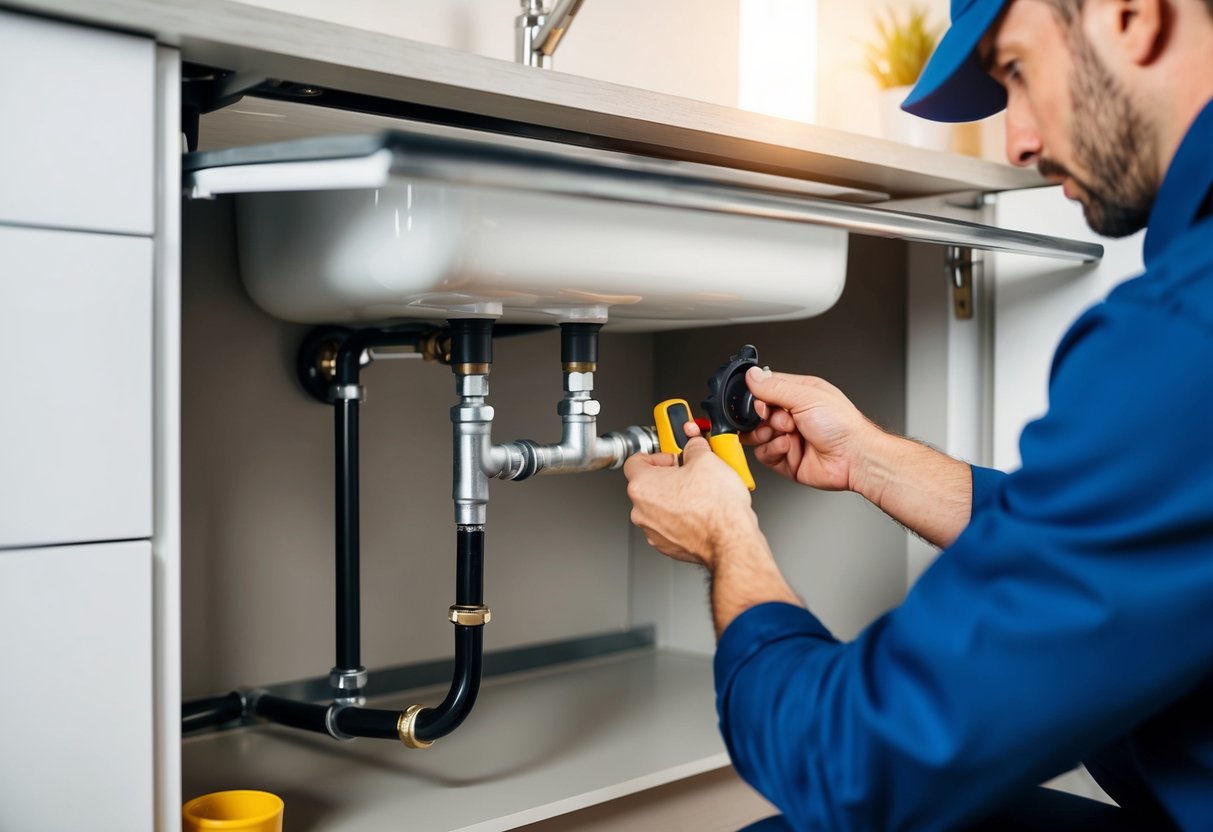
<point>540,30</point>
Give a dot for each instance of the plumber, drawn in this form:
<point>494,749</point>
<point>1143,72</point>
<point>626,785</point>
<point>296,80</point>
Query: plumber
<point>1070,615</point>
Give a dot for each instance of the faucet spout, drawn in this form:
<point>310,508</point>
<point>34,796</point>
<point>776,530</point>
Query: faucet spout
<point>540,30</point>
<point>555,25</point>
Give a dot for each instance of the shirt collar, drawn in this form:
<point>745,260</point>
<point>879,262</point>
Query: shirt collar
<point>1184,195</point>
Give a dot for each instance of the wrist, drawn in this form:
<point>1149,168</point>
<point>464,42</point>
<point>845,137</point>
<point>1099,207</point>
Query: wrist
<point>744,576</point>
<point>873,464</point>
<point>735,535</point>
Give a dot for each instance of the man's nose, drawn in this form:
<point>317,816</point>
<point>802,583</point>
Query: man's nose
<point>1023,139</point>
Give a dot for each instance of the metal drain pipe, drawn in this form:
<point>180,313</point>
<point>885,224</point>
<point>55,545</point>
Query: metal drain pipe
<point>580,448</point>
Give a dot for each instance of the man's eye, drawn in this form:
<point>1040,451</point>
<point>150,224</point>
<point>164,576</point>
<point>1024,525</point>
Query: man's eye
<point>1011,73</point>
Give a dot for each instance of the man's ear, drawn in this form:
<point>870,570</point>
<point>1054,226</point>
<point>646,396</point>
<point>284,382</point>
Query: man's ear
<point>1134,30</point>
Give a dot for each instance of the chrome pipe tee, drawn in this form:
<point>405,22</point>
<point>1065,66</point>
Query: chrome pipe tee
<point>475,462</point>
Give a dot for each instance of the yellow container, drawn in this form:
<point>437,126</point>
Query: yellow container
<point>244,810</point>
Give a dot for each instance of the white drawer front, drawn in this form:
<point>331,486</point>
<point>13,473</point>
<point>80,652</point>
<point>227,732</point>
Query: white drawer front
<point>76,705</point>
<point>77,108</point>
<point>76,425</point>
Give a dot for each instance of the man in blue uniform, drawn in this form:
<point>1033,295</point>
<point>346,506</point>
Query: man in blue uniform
<point>1070,615</point>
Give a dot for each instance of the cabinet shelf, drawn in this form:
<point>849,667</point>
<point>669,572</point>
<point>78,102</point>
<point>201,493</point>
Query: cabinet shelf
<point>539,744</point>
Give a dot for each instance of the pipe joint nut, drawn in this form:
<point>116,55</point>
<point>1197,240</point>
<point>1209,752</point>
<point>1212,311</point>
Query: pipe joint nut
<point>579,382</point>
<point>347,393</point>
<point>470,615</point>
<point>579,407</point>
<point>474,385</point>
<point>406,728</point>
<point>346,680</point>
<point>472,413</point>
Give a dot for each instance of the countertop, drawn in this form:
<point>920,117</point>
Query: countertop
<point>233,36</point>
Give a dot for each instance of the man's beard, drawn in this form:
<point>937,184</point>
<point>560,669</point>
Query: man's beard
<point>1111,140</point>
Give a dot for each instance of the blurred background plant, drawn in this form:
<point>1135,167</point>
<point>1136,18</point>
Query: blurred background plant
<point>904,41</point>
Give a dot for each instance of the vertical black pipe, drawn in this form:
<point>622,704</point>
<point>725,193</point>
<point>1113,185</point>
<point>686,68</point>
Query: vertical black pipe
<point>347,560</point>
<point>469,566</point>
<point>433,723</point>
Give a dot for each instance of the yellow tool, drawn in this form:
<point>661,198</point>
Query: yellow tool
<point>670,417</point>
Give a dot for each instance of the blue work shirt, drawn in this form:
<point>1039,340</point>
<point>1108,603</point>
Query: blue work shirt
<point>1071,620</point>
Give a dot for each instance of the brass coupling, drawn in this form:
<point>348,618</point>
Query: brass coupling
<point>406,727</point>
<point>477,369</point>
<point>436,347</point>
<point>580,366</point>
<point>470,615</point>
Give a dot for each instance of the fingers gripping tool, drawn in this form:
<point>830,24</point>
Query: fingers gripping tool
<point>730,408</point>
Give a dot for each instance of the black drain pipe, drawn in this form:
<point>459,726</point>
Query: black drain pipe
<point>416,726</point>
<point>470,353</point>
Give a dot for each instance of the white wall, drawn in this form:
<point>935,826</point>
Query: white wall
<point>678,47</point>
<point>847,96</point>
<point>688,48</point>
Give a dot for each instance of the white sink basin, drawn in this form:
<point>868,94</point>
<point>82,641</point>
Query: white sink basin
<point>357,239</point>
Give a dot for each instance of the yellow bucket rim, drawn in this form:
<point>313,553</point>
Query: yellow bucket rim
<point>273,803</point>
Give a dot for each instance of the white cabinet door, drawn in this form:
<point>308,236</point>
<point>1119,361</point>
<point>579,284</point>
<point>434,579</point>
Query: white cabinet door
<point>76,701</point>
<point>76,421</point>
<point>77,108</point>
<point>1035,301</point>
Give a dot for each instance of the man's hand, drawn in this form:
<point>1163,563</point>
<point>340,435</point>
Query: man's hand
<point>688,511</point>
<point>700,512</point>
<point>812,433</point>
<point>815,436</point>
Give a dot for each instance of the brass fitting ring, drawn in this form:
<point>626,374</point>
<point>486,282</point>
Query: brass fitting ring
<point>407,725</point>
<point>470,615</point>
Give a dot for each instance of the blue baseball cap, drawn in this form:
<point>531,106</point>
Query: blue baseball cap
<point>954,86</point>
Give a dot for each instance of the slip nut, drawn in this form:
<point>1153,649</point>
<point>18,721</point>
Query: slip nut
<point>469,615</point>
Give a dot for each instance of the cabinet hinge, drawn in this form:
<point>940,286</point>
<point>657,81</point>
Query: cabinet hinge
<point>961,263</point>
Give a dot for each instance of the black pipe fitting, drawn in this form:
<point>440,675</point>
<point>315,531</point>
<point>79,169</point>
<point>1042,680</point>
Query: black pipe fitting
<point>579,344</point>
<point>471,341</point>
<point>433,723</point>
<point>348,364</point>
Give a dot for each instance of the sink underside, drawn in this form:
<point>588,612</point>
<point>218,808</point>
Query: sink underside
<point>420,249</point>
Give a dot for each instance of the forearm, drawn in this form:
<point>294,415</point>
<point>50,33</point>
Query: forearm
<point>744,575</point>
<point>926,491</point>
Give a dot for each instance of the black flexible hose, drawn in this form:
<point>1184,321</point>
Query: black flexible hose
<point>210,711</point>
